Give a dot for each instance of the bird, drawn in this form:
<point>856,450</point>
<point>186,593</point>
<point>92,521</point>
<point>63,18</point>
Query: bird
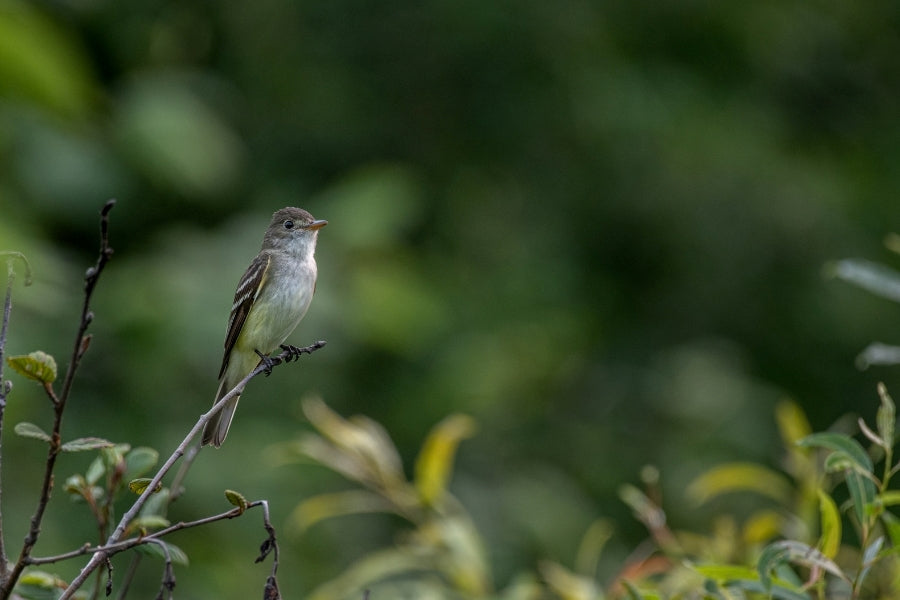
<point>272,297</point>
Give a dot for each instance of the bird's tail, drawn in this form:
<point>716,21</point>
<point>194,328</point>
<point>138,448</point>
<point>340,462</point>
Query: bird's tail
<point>217,427</point>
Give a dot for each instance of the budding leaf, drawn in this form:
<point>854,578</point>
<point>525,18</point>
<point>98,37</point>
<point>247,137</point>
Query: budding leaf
<point>87,443</point>
<point>138,486</point>
<point>30,430</point>
<point>38,366</point>
<point>236,499</point>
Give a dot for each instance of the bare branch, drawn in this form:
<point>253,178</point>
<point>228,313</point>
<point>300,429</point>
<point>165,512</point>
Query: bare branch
<point>113,542</point>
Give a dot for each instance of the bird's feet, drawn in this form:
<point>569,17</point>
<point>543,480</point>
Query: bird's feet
<point>293,352</point>
<point>268,362</point>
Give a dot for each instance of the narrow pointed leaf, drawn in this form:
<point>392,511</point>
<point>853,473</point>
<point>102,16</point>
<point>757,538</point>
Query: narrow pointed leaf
<point>325,506</point>
<point>830,518</point>
<point>747,579</point>
<point>30,430</point>
<point>886,418</point>
<point>862,492</point>
<point>789,551</point>
<point>435,462</point>
<point>38,366</point>
<point>739,477</point>
<point>839,442</point>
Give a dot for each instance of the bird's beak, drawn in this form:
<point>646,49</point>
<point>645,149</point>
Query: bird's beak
<point>317,224</point>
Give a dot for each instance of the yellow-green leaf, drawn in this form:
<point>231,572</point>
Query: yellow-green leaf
<point>435,461</point>
<point>236,499</point>
<point>792,422</point>
<point>830,541</point>
<point>762,526</point>
<point>40,579</point>
<point>138,486</point>
<point>38,366</point>
<point>723,573</point>
<point>739,477</point>
<point>325,506</point>
<point>30,430</point>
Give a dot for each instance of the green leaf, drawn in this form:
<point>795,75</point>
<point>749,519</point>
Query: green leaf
<point>887,415</point>
<point>870,556</point>
<point>175,553</point>
<point>149,522</point>
<point>139,461</point>
<point>739,477</point>
<point>790,551</point>
<point>157,504</point>
<point>38,585</point>
<point>86,443</point>
<point>830,518</point>
<point>325,506</point>
<point>236,499</point>
<point>435,461</point>
<point>96,470</point>
<point>38,366</point>
<point>138,486</point>
<point>839,442</point>
<point>748,580</point>
<point>30,430</point>
<point>862,493</point>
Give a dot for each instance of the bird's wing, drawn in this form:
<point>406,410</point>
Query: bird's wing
<point>247,291</point>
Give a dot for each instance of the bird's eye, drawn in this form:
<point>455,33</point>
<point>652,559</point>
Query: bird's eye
<point>288,224</point>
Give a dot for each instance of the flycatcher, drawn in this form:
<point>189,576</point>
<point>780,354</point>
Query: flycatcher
<point>271,298</point>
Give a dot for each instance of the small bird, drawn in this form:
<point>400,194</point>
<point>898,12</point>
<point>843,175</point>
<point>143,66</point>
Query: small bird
<point>271,298</point>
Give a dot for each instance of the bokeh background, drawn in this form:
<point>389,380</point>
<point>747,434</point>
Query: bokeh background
<point>598,227</point>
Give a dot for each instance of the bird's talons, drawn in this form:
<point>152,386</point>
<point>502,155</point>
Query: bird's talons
<point>293,352</point>
<point>268,362</point>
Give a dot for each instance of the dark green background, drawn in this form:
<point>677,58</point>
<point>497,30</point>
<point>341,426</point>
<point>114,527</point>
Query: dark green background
<point>597,227</point>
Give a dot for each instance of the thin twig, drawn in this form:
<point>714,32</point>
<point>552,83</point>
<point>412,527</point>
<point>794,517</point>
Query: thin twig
<point>80,346</point>
<point>6,386</point>
<point>270,592</point>
<point>168,579</point>
<point>111,547</point>
<point>117,547</point>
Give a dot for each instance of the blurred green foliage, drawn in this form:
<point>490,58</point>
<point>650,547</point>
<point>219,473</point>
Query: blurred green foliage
<point>598,228</point>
